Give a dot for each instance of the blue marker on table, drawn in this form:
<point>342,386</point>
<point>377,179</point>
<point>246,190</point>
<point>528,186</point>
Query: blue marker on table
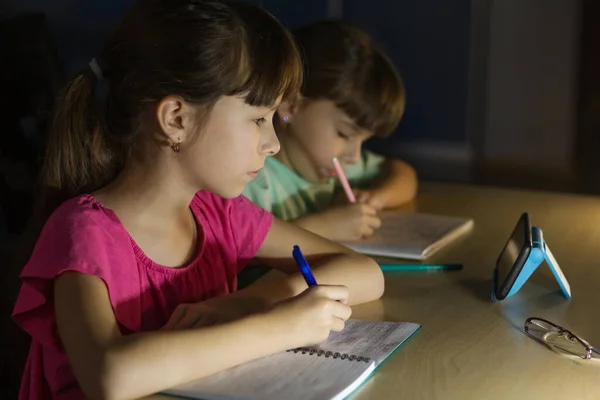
<point>421,267</point>
<point>304,267</point>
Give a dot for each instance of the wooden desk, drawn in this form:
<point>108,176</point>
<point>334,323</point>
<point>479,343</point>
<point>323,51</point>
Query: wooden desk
<point>468,346</point>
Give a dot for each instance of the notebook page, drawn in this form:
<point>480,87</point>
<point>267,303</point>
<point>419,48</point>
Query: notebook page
<point>409,235</point>
<point>293,375</point>
<point>375,340</point>
<point>284,375</point>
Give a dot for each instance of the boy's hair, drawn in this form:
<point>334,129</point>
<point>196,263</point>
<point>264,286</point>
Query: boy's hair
<point>200,50</point>
<point>341,64</point>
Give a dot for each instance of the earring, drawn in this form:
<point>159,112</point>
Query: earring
<point>286,118</point>
<point>176,146</point>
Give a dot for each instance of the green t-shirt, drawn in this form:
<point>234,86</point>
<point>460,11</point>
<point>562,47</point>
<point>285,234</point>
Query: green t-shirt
<point>289,196</point>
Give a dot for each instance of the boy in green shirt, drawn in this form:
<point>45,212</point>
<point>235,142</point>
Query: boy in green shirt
<point>351,93</point>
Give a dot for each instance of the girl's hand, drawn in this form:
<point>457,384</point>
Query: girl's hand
<point>197,315</point>
<point>309,317</point>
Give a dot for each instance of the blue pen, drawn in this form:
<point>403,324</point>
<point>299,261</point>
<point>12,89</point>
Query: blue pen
<point>304,267</point>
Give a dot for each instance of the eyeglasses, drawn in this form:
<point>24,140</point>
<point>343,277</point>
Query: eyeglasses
<point>556,337</point>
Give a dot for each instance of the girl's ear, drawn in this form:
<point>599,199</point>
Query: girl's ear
<point>175,118</point>
<point>287,109</point>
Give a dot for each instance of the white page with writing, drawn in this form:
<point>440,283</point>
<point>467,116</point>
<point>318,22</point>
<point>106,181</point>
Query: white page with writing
<point>290,375</point>
<point>412,236</point>
<point>375,340</point>
<point>283,376</point>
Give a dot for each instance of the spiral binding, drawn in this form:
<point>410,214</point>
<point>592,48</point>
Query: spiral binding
<point>319,353</point>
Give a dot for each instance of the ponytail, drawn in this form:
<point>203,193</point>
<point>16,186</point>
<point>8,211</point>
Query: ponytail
<point>78,156</point>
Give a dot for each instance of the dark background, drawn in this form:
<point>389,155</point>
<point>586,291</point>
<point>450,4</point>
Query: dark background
<point>500,92</point>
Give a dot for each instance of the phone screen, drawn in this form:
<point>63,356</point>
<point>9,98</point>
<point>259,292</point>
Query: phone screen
<point>519,244</point>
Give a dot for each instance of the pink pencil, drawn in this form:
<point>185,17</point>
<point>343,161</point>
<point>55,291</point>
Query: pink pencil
<point>343,180</point>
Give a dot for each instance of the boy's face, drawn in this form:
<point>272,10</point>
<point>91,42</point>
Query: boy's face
<point>318,131</point>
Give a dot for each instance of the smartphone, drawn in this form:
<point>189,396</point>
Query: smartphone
<point>513,257</point>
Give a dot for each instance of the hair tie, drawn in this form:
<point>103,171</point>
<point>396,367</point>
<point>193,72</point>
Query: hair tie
<point>95,67</point>
<point>101,86</point>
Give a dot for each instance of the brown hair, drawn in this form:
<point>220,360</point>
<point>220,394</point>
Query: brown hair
<point>200,50</point>
<point>342,64</point>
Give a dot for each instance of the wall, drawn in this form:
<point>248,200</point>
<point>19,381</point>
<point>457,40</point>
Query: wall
<point>294,14</point>
<point>533,67</point>
<point>79,27</point>
<point>428,40</point>
<point>496,86</point>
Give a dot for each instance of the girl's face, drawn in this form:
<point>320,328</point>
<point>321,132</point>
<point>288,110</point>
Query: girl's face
<point>230,148</point>
<point>318,131</point>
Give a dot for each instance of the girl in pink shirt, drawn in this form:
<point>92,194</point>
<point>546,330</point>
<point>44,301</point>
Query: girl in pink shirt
<point>130,288</point>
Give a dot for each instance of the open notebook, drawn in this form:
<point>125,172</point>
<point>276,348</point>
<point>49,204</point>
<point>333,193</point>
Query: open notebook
<point>414,236</point>
<point>331,370</point>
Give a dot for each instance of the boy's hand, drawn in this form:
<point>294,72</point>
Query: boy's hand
<point>349,222</point>
<point>373,198</point>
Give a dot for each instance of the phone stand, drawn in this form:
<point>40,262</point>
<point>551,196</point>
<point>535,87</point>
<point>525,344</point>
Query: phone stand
<point>540,252</point>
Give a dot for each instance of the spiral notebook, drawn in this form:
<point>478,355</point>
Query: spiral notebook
<point>413,236</point>
<point>331,370</point>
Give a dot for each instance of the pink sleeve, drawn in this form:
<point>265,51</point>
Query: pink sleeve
<point>238,223</point>
<point>79,237</point>
<point>250,226</point>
